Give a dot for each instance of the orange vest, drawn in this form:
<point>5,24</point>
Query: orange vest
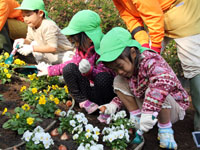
<point>7,11</point>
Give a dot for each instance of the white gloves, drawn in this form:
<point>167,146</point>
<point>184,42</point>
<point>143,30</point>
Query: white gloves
<point>147,121</point>
<point>19,42</point>
<point>84,66</point>
<point>68,56</point>
<point>136,121</point>
<point>111,108</point>
<point>42,69</point>
<point>26,49</point>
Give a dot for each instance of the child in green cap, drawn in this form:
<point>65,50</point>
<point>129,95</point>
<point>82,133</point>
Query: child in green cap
<point>145,84</point>
<point>44,39</point>
<point>80,72</point>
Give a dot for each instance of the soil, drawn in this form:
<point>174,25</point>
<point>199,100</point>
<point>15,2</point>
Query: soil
<point>8,138</point>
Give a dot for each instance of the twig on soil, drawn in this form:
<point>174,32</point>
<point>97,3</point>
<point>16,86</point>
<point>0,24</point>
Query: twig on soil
<point>22,143</point>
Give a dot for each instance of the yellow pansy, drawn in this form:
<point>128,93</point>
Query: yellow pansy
<point>4,111</point>
<point>49,88</point>
<point>30,120</point>
<point>17,61</point>
<point>56,101</point>
<point>66,89</point>
<point>34,90</point>
<point>26,107</point>
<point>23,88</point>
<point>8,75</point>
<point>5,70</point>
<point>6,55</point>
<point>57,112</point>
<point>51,97</point>
<point>42,100</point>
<point>45,91</point>
<point>54,87</point>
<point>17,115</point>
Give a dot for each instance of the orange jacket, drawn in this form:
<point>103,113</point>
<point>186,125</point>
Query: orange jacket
<point>7,11</point>
<point>136,13</point>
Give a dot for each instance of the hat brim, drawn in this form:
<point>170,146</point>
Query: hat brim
<point>24,8</point>
<point>115,53</point>
<point>69,31</point>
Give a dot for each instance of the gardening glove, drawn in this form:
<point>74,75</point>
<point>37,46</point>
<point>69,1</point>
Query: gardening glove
<point>84,66</point>
<point>26,49</point>
<point>111,107</point>
<point>147,121</point>
<point>19,42</point>
<point>42,69</point>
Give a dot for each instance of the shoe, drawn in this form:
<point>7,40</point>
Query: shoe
<point>89,106</point>
<point>166,137</point>
<point>103,118</point>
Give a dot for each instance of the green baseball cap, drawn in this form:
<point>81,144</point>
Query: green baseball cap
<point>33,5</point>
<point>114,43</point>
<point>86,21</point>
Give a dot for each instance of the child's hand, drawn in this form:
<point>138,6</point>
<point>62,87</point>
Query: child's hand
<point>84,66</point>
<point>147,121</point>
<point>42,69</point>
<point>25,50</point>
<point>19,42</point>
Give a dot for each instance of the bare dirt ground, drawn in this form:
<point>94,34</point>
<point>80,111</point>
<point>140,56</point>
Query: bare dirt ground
<point>8,138</point>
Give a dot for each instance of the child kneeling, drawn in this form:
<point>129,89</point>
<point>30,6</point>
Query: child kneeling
<point>146,85</point>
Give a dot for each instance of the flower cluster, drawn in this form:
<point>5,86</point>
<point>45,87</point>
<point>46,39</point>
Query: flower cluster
<point>5,72</point>
<point>23,119</point>
<point>86,135</point>
<point>117,136</point>
<point>37,139</point>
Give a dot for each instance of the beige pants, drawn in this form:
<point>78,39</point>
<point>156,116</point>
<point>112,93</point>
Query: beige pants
<point>177,113</point>
<point>188,51</point>
<point>17,29</point>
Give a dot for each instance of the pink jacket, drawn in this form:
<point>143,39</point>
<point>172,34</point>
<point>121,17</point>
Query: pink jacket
<point>91,56</point>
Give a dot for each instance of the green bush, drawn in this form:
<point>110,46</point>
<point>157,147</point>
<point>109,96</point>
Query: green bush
<point>62,11</point>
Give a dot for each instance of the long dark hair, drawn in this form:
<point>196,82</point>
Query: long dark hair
<point>80,38</point>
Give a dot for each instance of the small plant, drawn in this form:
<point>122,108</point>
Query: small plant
<point>38,139</point>
<point>5,72</point>
<point>46,106</point>
<point>59,92</point>
<point>30,95</point>
<point>23,119</point>
<point>116,136</point>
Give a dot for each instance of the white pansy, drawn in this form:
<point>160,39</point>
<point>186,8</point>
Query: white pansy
<point>120,134</point>
<point>85,121</point>
<point>47,144</point>
<point>63,113</point>
<point>38,129</point>
<point>75,136</point>
<point>87,146</point>
<point>111,137</point>
<point>89,128</point>
<point>95,137</point>
<point>96,130</point>
<point>81,147</point>
<point>87,134</point>
<point>72,123</point>
<point>27,136</point>
<point>70,112</point>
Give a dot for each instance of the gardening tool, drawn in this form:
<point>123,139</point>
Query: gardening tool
<point>27,70</point>
<point>139,133</point>
<point>9,60</point>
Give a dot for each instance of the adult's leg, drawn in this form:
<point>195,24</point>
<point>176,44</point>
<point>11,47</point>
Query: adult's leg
<point>5,43</point>
<point>188,50</point>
